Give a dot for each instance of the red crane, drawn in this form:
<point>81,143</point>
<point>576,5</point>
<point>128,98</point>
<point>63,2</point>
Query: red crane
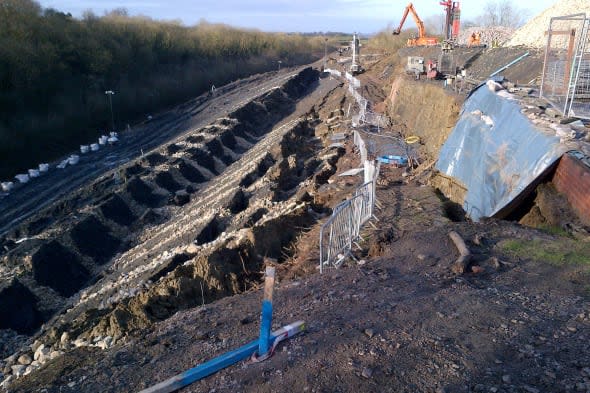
<point>453,19</point>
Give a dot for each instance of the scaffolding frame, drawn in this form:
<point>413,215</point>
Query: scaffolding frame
<point>565,80</point>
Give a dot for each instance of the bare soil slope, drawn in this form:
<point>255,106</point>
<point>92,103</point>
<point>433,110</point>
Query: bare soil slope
<point>398,320</point>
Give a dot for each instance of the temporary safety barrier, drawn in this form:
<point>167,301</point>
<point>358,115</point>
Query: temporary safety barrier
<point>333,72</point>
<point>360,143</point>
<point>342,229</point>
<point>354,82</point>
<point>366,192</point>
<point>338,233</point>
<point>366,116</point>
<point>566,68</point>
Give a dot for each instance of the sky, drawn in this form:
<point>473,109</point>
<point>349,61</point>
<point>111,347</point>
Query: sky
<point>366,16</point>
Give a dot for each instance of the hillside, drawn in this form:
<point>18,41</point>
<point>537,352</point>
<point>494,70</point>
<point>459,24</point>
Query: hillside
<point>433,233</point>
<point>55,69</point>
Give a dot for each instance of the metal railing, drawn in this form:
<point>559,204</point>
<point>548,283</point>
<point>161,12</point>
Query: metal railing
<point>360,143</point>
<point>566,68</point>
<point>343,228</point>
<point>335,73</point>
<point>367,194</point>
<point>365,115</point>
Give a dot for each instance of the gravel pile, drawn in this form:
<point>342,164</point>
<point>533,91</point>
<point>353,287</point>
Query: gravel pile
<point>487,34</point>
<point>533,33</point>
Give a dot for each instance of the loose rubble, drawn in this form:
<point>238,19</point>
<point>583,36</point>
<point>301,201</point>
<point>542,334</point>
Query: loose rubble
<point>532,34</point>
<point>402,319</point>
<point>489,36</point>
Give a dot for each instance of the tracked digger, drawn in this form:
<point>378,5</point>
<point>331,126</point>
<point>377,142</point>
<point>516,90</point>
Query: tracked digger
<point>422,39</point>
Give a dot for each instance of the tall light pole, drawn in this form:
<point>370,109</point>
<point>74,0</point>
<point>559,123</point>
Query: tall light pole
<point>325,51</point>
<point>110,94</point>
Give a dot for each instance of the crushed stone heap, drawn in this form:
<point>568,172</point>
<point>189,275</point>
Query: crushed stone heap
<point>489,34</point>
<point>533,33</point>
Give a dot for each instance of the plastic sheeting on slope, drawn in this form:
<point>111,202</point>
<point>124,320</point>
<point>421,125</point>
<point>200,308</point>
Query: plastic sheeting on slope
<point>495,152</point>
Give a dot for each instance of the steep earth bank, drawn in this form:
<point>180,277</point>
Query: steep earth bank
<point>399,320</point>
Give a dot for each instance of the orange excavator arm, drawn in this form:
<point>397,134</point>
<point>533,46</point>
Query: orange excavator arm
<point>410,9</point>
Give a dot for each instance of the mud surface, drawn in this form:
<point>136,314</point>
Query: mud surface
<point>400,322</point>
<point>181,281</point>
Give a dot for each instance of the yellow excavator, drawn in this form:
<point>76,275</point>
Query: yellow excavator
<point>422,39</point>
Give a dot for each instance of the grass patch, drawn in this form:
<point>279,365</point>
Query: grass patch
<point>560,251</point>
<point>554,230</point>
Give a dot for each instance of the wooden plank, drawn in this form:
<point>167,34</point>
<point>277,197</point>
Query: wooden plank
<point>464,259</point>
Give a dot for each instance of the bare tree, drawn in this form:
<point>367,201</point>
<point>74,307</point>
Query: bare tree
<point>435,24</point>
<point>502,13</point>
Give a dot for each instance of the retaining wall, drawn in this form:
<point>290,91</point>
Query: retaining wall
<point>572,178</point>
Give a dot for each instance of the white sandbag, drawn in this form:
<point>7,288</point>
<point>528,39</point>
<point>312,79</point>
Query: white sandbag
<point>7,186</point>
<point>23,178</point>
<point>494,86</point>
<point>73,159</point>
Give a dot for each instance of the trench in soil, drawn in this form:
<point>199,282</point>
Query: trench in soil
<point>229,267</point>
<point>79,247</point>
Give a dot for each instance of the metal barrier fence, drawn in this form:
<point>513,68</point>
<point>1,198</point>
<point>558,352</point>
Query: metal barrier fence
<point>360,143</point>
<point>333,72</point>
<point>566,68</point>
<point>367,194</point>
<point>352,80</point>
<point>365,116</point>
<point>343,228</point>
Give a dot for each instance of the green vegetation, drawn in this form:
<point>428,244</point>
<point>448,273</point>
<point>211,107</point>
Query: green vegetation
<point>386,41</point>
<point>554,230</point>
<point>55,69</point>
<point>558,251</point>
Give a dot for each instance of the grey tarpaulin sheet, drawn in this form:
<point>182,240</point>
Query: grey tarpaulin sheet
<point>496,152</point>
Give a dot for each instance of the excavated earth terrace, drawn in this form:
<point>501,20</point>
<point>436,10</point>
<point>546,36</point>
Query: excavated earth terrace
<point>132,276</point>
<point>112,244</point>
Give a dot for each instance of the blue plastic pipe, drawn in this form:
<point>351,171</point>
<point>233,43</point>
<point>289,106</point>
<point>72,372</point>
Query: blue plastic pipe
<point>509,64</point>
<point>262,344</point>
<point>266,321</point>
<point>221,362</point>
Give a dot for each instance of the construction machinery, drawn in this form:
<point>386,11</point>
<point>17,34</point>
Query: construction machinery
<point>422,39</point>
<point>355,67</point>
<point>474,39</point>
<point>432,70</point>
<point>452,19</point>
<point>415,66</point>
